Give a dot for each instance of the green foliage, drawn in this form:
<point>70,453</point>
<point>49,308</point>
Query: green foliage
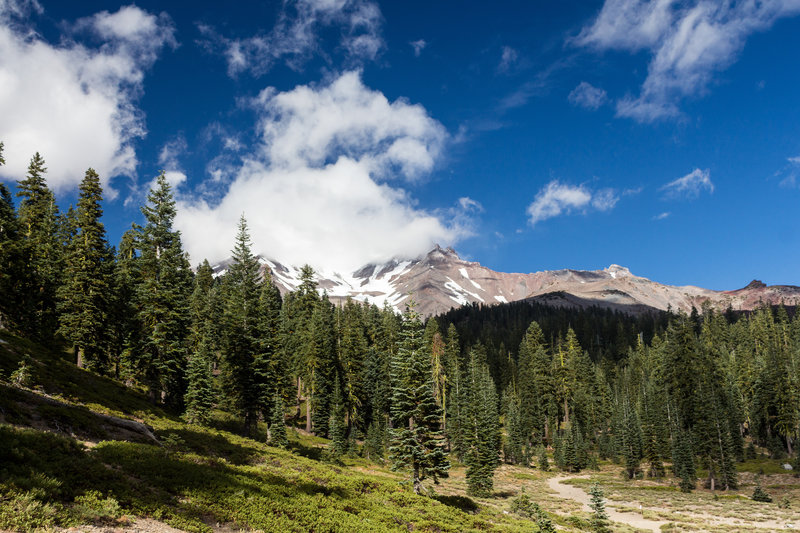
<point>277,424</point>
<point>524,506</point>
<point>23,375</point>
<point>481,426</point>
<point>84,297</point>
<point>599,520</point>
<point>200,392</point>
<point>759,494</point>
<point>91,507</point>
<point>542,461</point>
<point>416,438</point>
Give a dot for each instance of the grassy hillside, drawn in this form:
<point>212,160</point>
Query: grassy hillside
<point>76,448</point>
<point>62,464</point>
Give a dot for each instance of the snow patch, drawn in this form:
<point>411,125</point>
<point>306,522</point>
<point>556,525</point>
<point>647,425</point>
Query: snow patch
<point>501,299</point>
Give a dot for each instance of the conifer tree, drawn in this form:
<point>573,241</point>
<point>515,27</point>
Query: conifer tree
<point>38,221</point>
<point>242,333</point>
<point>88,269</point>
<point>631,441</point>
<point>514,451</point>
<point>163,289</point>
<point>683,460</point>
<point>337,429</point>
<point>482,426</point>
<point>454,396</point>
<point>200,393</point>
<point>277,424</point>
<point>417,441</point>
<point>599,520</point>
<point>373,444</point>
<point>321,364</point>
<point>15,280</point>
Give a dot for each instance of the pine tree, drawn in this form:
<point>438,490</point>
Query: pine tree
<point>599,519</point>
<point>200,393</point>
<point>164,285</point>
<point>88,269</point>
<point>38,220</point>
<point>482,427</point>
<point>417,441</point>
<point>242,330</point>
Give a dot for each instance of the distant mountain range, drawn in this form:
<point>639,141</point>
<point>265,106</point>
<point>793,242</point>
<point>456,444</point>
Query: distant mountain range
<point>442,280</point>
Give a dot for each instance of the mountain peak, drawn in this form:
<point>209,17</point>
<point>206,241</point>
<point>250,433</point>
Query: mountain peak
<point>618,271</point>
<point>756,284</point>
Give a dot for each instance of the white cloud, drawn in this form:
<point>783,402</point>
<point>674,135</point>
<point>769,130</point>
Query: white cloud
<point>588,96</point>
<point>315,188</point>
<point>467,204</point>
<point>795,160</point>
<point>690,185</point>
<point>418,46</point>
<point>662,216</point>
<point>508,59</point>
<point>557,198</point>
<point>689,42</point>
<point>74,104</point>
<point>295,38</point>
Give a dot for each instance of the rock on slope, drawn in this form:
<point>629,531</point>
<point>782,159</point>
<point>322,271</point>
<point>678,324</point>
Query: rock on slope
<point>441,280</point>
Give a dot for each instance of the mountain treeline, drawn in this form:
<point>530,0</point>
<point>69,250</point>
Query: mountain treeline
<point>517,383</point>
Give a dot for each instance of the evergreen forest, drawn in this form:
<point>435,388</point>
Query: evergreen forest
<point>661,395</point>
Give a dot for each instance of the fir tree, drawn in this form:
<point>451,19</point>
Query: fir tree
<point>15,279</point>
<point>482,426</point>
<point>599,519</point>
<point>543,463</point>
<point>38,220</point>
<point>200,393</point>
<point>242,317</point>
<point>373,444</point>
<point>631,442</point>
<point>337,427</point>
<point>164,284</point>
<point>417,442</point>
<point>321,361</point>
<point>88,269</point>
<point>277,424</point>
<point>516,445</point>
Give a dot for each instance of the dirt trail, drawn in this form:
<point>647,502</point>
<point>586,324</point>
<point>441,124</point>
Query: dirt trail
<point>570,492</point>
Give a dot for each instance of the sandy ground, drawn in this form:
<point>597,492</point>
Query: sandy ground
<point>574,493</point>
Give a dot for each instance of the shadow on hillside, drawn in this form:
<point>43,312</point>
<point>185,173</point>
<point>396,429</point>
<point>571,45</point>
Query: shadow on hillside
<point>54,373</point>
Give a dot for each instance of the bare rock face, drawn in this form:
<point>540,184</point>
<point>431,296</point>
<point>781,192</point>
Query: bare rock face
<point>441,280</point>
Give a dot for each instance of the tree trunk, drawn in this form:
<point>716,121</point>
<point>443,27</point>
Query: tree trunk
<point>308,413</point>
<point>416,481</point>
<point>79,352</point>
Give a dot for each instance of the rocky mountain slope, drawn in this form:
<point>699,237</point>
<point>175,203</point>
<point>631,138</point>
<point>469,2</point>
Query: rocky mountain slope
<point>441,280</point>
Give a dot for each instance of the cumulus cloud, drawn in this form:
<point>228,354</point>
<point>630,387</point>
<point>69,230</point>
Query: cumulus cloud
<point>557,198</point>
<point>318,188</point>
<point>75,104</point>
<point>295,38</point>
<point>418,46</point>
<point>689,42</point>
<point>588,96</point>
<point>690,185</point>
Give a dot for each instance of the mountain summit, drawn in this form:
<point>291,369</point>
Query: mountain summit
<point>441,280</point>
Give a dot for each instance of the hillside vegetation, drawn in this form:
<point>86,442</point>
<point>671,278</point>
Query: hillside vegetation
<point>66,468</point>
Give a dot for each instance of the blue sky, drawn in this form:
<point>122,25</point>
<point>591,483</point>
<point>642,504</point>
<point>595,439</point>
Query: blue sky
<point>660,135</point>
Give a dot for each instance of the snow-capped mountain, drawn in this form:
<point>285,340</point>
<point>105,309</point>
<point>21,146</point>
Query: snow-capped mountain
<point>441,280</point>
